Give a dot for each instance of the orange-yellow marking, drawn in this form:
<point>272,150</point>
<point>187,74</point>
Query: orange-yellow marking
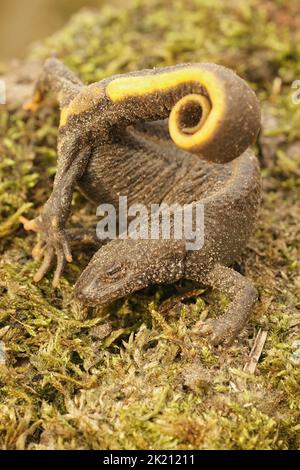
<point>130,86</point>
<point>85,100</point>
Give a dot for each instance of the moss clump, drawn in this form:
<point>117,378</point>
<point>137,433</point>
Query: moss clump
<point>130,377</point>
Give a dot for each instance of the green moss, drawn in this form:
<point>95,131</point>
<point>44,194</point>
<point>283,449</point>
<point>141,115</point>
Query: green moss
<point>132,376</point>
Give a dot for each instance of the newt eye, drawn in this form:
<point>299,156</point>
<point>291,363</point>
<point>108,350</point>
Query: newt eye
<point>114,271</point>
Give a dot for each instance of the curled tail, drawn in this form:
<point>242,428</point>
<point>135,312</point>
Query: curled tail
<point>212,111</point>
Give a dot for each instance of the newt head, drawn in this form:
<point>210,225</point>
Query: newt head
<point>116,270</point>
<point>123,267</point>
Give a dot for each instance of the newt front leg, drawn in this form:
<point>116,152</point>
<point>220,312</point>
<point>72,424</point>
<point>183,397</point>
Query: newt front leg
<point>50,224</point>
<point>73,155</point>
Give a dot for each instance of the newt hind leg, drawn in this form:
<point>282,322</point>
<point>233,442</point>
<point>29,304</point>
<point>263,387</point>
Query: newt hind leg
<point>55,77</point>
<point>243,296</point>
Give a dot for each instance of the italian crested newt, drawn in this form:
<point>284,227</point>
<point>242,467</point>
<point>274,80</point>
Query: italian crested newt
<point>174,135</point>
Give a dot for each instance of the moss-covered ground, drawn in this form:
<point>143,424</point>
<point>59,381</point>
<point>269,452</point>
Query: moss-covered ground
<point>130,377</point>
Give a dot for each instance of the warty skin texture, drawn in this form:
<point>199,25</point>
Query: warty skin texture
<point>114,140</point>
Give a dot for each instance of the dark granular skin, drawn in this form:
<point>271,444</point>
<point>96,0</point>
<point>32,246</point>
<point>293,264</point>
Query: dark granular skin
<point>114,140</point>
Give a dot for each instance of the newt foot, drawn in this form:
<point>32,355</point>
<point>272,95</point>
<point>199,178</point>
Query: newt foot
<point>215,331</point>
<point>34,104</point>
<point>53,243</point>
<point>30,225</point>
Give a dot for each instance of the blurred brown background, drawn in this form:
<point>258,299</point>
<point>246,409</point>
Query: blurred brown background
<point>22,22</point>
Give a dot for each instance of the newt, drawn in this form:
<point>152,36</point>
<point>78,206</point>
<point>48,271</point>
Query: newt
<point>178,134</point>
